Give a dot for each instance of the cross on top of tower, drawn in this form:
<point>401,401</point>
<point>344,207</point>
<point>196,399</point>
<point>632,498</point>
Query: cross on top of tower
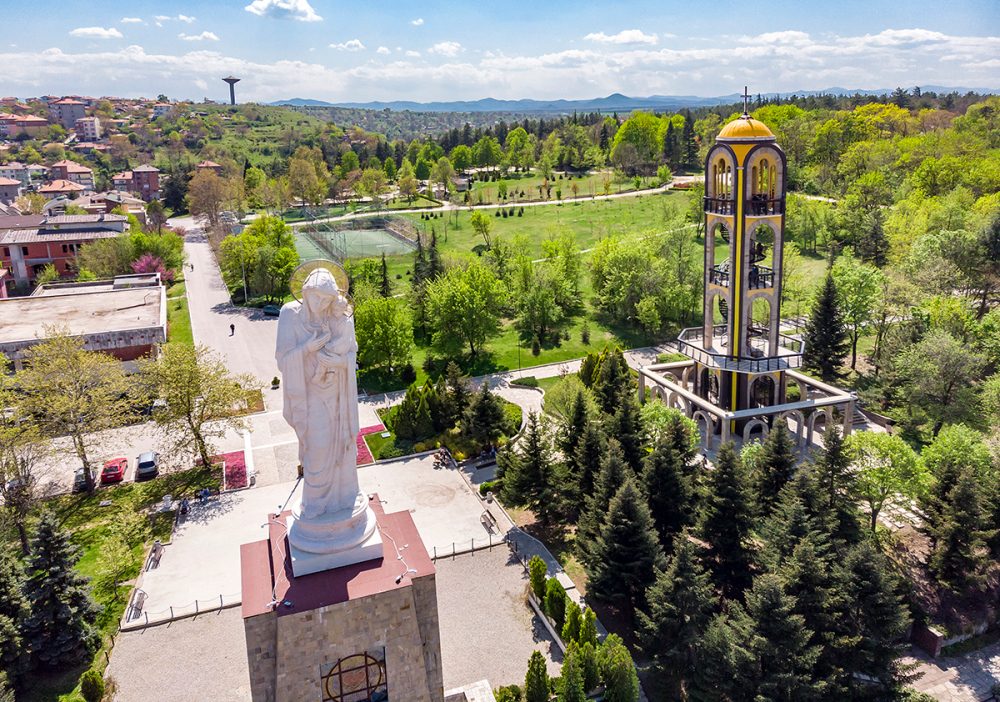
<point>746,102</point>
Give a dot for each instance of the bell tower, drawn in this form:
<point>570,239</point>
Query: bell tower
<point>740,353</point>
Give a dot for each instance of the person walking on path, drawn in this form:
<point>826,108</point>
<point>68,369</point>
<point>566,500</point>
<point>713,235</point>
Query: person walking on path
<point>232,330</point>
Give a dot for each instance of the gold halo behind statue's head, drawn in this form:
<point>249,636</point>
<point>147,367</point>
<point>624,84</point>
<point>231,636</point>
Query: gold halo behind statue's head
<point>301,274</point>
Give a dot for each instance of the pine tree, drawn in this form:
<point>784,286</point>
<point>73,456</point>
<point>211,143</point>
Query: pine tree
<point>784,660</point>
<point>588,630</point>
<point>959,555</point>
<point>571,687</point>
<point>727,522</point>
<point>14,612</point>
<point>835,480</point>
<point>873,246</point>
<point>613,381</point>
<point>420,272</point>
<point>777,466</point>
<point>574,620</point>
<point>587,463</point>
<point>668,490</point>
<point>826,334</point>
<point>458,395</point>
<point>618,671</point>
<point>791,521</point>
<point>385,287</point>
<point>880,618</point>
<point>60,629</point>
<point>627,551</point>
<point>689,142</point>
<point>573,427</point>
<point>722,662</point>
<point>435,268</point>
<point>609,479</point>
<point>588,664</point>
<point>626,426</point>
<point>529,478</point>
<point>536,682</point>
<point>484,420</point>
<point>679,610</point>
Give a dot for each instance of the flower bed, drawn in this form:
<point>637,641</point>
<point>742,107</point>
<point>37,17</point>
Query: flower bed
<point>364,453</point>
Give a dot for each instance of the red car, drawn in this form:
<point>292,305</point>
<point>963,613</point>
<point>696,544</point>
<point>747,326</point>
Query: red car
<point>114,470</point>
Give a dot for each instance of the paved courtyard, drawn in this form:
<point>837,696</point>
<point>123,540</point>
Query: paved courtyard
<point>487,629</point>
<point>966,679</point>
<point>195,659</point>
<point>203,560</point>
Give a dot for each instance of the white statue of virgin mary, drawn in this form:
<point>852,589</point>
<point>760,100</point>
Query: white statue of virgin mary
<point>317,356</point>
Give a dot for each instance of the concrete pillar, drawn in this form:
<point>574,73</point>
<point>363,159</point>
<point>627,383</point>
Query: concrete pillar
<point>849,417</point>
<point>642,388</point>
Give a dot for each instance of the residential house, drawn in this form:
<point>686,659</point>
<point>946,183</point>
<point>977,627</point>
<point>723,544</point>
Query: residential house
<point>67,111</point>
<point>73,172</point>
<point>60,187</point>
<point>88,128</point>
<point>10,188</point>
<point>30,242</point>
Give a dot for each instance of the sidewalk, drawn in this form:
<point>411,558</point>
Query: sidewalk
<point>969,678</point>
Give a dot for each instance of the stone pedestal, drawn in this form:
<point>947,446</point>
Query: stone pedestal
<point>367,627</point>
<point>334,540</point>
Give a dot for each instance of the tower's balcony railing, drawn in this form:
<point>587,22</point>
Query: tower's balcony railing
<point>719,276</point>
<point>714,352</point>
<point>720,205</point>
<point>758,278</point>
<point>760,206</point>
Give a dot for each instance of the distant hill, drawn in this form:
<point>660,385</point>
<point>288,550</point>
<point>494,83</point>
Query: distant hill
<point>611,103</point>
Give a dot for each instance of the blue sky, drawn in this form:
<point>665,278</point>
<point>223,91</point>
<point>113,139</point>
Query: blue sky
<point>349,51</point>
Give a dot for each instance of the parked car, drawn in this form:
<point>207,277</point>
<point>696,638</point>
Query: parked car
<point>80,480</point>
<point>114,470</point>
<point>147,465</point>
<point>271,310</point>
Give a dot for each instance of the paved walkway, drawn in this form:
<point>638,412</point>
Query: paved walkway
<point>969,678</point>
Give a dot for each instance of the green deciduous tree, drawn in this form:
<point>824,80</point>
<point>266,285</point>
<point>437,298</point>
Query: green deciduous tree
<point>75,393</point>
<point>886,468</point>
<point>202,400</point>
<point>385,333</point>
<point>859,289</point>
<point>464,307</point>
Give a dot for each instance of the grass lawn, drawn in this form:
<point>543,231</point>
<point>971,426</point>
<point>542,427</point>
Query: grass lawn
<point>179,321</point>
<point>587,185</point>
<point>90,525</point>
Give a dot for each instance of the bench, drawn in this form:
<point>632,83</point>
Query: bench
<point>489,522</point>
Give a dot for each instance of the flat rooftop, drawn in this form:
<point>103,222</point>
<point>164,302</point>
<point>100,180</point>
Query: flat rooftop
<point>81,314</point>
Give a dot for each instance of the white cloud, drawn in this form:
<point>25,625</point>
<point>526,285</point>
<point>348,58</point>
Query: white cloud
<point>767,64</point>
<point>349,45</point>
<point>626,36</point>
<point>383,50</point>
<point>131,20</point>
<point>199,83</point>
<point>96,33</point>
<point>299,10</point>
<point>446,48</point>
<point>204,36</point>
<point>417,22</point>
<point>158,20</point>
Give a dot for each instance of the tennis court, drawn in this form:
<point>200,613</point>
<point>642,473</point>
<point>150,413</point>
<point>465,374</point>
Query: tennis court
<point>349,243</point>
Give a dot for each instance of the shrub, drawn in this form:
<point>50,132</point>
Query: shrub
<point>92,686</point>
<point>389,451</point>
<point>537,570</point>
<point>409,374</point>
<point>585,335</point>
<point>529,381</point>
<point>275,381</point>
<point>555,602</point>
<point>489,486</point>
<point>508,693</point>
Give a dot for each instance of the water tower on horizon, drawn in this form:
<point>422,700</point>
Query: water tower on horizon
<point>232,88</point>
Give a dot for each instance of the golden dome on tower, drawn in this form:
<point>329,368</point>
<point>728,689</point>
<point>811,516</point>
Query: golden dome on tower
<point>745,128</point>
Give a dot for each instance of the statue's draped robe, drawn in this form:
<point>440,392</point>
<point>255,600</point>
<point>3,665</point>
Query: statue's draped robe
<point>324,414</point>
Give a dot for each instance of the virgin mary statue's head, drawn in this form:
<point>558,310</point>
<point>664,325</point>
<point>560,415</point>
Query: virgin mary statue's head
<point>321,296</point>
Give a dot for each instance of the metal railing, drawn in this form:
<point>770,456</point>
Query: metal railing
<point>759,206</point>
<point>758,278</point>
<point>720,205</point>
<point>719,276</point>
<point>692,343</point>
